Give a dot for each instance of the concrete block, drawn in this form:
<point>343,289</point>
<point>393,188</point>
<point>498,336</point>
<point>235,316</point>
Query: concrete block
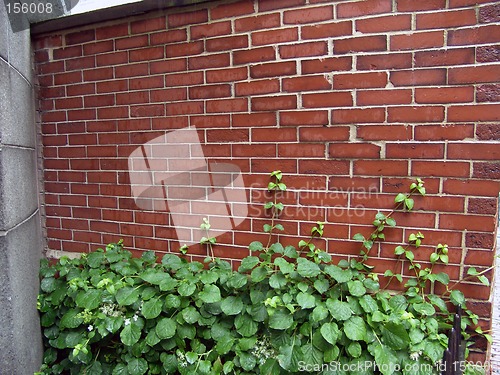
<point>20,333</point>
<point>19,45</point>
<point>17,115</point>
<point>18,185</point>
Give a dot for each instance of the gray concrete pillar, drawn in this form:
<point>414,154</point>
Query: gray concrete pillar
<point>20,233</point>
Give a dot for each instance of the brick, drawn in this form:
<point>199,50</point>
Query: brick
<point>475,74</point>
<point>363,8</point>
<point>327,30</point>
<point>226,43</point>
<point>354,116</point>
<point>265,5</point>
<point>477,188</point>
<point>308,15</point>
<point>420,77</point>
<point>114,112</point>
<point>444,95</point>
<point>184,108</point>
<point>322,167</point>
<point>113,31</point>
<point>384,132</point>
<point>400,22</point>
<point>254,55</point>
<point>466,222</point>
<point>211,29</point>
<point>274,103</point>
<point>474,151</point>
<point>302,150</point>
<point>411,6</point>
<point>112,58</point>
<point>184,49</point>
<point>254,119</point>
<point>273,69</point>
<point>486,171</point>
<point>152,110</point>
<point>417,40</point>
<point>484,206</point>
<point>450,19</point>
<point>488,93</point>
<point>488,131</point>
<point>297,118</point>
<point>326,65</point>
<point>354,151</point>
<point>331,99</point>
<point>82,114</point>
<point>170,36</point>
<point>274,135</point>
<point>227,75</point>
<point>239,8</point>
<point>416,114</point>
<point>361,44</point>
<point>49,41</point>
<point>98,47</point>
<point>170,94</point>
<point>275,36</point>
<point>440,169</point>
<point>383,97</point>
<point>67,52</point>
<point>384,61</point>
<point>147,54</point>
<point>306,83</point>
<point>206,62</point>
<point>148,25</point>
<point>414,151</point>
<point>484,112</point>
<point>381,167</point>
<point>323,134</point>
<point>168,65</point>
<point>257,87</point>
<point>489,13</point>
<point>306,49</point>
<point>187,18</point>
<point>227,105</point>
<point>264,21</point>
<point>209,91</point>
<point>131,42</point>
<point>112,86</point>
<point>80,37</point>
<point>184,79</point>
<point>443,132</point>
<point>99,101</point>
<point>353,184</point>
<point>98,74</point>
<point>263,150</point>
<point>474,36</point>
<point>132,70</point>
<point>448,57</point>
<point>359,80</point>
<point>104,226</point>
<point>69,103</point>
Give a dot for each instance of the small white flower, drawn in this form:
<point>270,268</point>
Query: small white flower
<point>90,328</point>
<point>127,322</point>
<point>135,317</point>
<point>415,355</point>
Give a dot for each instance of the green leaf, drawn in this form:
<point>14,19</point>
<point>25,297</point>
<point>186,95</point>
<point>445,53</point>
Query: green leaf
<point>259,273</point>
<point>306,268</point>
<point>340,310</point>
<point>210,294</point>
<point>395,335</point>
<point>434,350</point>
<point>232,305</point>
<point>306,300</point>
<point>247,361</point>
<point>356,288</point>
<point>400,198</point>
<point>256,246</point>
<point>484,280</point>
<point>89,299</point>
<point>358,237</point>
<point>224,345</point>
<point>321,285</point>
<point>166,328</point>
<point>289,357</point>
<point>319,313</point>
<point>152,308</point>
<point>338,274</point>
<point>245,325</point>
<point>330,332</point>
<point>457,298</point>
<point>368,303</point>
<point>354,349</point>
<point>95,259</point>
<point>130,334</point>
<point>137,366</point>
<point>284,266</point>
<point>127,296</point>
<point>190,315</point>
<point>277,281</point>
<point>280,320</point>
<point>186,289</point>
<point>424,308</point>
<point>71,319</point>
<point>248,263</point>
<point>355,328</point>
<point>385,358</point>
<point>438,302</point>
<point>409,203</point>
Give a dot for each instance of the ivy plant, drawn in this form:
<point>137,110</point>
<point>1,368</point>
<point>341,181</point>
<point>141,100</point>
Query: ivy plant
<point>285,310</point>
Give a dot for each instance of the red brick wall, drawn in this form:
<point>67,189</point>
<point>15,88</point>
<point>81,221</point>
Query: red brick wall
<point>351,99</point>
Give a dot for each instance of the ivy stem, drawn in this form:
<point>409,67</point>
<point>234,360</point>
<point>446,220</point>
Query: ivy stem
<point>448,290</point>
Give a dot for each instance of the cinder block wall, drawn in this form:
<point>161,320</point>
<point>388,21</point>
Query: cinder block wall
<point>350,99</point>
